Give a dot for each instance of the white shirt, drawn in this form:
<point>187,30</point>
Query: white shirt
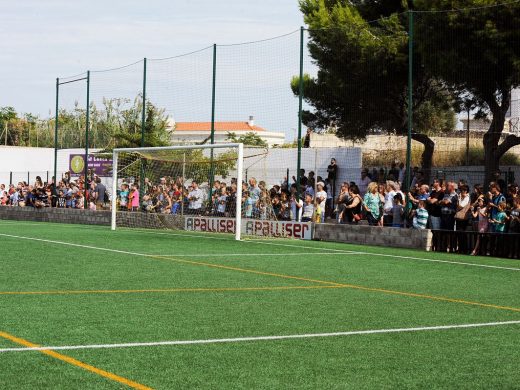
<point>389,201</point>
<point>323,196</point>
<point>463,202</point>
<point>197,202</point>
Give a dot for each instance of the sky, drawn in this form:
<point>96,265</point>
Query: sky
<point>44,39</point>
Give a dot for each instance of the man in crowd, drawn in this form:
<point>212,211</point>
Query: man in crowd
<point>363,183</point>
<point>99,194</point>
<point>433,204</point>
<point>449,207</point>
<point>195,197</point>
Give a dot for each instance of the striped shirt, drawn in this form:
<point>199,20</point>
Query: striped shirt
<point>421,219</point>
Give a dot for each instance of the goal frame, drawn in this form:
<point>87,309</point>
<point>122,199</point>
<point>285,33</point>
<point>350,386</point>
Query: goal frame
<point>240,167</point>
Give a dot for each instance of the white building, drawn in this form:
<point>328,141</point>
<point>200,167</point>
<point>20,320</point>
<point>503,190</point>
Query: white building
<point>197,132</point>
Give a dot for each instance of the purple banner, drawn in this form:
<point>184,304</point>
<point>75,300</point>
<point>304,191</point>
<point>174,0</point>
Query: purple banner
<point>100,166</point>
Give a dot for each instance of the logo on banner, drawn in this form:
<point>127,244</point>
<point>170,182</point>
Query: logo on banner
<point>77,164</point>
<point>251,227</point>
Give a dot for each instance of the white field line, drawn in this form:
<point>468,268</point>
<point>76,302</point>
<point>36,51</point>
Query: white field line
<point>319,251</point>
<point>244,254</point>
<point>261,338</point>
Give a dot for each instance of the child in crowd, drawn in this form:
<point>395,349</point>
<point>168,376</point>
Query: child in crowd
<point>481,213</point>
<point>133,198</point>
<point>308,209</point>
<point>62,200</point>
<point>397,210</point>
<point>420,219</point>
<point>499,222</point>
<point>514,222</point>
<point>295,206</point>
<point>123,197</point>
<point>80,200</point>
<point>248,202</point>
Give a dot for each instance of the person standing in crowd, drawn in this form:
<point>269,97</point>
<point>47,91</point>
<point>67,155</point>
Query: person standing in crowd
<point>62,200</point>
<point>373,205</point>
<point>123,197</point>
<point>364,181</point>
<point>434,206</point>
<point>343,200</point>
<point>133,198</point>
<point>321,199</point>
<point>389,203</point>
<point>351,212</point>
<point>495,197</point>
<point>307,209</point>
<point>332,175</point>
<point>195,197</point>
<point>99,194</point>
<point>420,217</point>
<point>397,210</point>
<point>449,207</point>
<point>464,202</point>
<point>498,222</point>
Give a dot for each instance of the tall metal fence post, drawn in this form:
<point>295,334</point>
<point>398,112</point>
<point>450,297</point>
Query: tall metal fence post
<point>56,133</point>
<point>300,109</point>
<point>143,113</point>
<point>87,128</point>
<point>212,135</point>
<point>143,131</point>
<point>467,137</point>
<point>410,100</point>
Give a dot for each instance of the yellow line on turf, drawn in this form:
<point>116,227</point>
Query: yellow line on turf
<point>166,290</point>
<point>343,285</point>
<point>75,362</point>
<point>220,266</point>
<point>253,271</point>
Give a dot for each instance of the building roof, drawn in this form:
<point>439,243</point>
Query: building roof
<point>219,126</point>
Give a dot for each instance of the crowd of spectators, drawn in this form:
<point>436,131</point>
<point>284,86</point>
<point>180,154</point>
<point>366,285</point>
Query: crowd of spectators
<point>68,193</point>
<point>375,197</point>
<point>445,205</point>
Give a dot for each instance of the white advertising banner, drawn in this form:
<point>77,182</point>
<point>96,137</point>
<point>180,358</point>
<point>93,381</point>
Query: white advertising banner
<point>251,227</point>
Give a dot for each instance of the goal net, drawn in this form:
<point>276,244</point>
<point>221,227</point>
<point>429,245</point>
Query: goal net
<point>221,188</point>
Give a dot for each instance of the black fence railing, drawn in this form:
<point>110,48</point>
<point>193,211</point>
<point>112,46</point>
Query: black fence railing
<point>481,244</point>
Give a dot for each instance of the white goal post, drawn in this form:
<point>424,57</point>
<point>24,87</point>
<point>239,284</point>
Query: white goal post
<point>239,173</point>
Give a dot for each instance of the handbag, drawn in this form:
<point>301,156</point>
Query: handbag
<point>464,213</point>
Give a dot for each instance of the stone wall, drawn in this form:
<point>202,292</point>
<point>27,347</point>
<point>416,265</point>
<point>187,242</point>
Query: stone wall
<point>371,235</point>
<point>88,217</point>
<point>83,217</point>
<point>352,234</point>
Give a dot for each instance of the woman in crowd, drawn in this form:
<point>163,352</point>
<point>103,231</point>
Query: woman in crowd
<point>352,212</point>
<point>373,205</point>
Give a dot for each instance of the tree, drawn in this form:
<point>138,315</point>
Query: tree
<point>476,53</point>
<point>122,124</point>
<point>361,84</point>
<point>249,138</point>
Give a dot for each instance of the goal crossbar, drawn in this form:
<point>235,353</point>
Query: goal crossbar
<point>240,164</point>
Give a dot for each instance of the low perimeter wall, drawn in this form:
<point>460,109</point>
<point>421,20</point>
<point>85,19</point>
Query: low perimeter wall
<point>82,217</point>
<point>88,217</point>
<point>373,235</point>
<point>352,234</point>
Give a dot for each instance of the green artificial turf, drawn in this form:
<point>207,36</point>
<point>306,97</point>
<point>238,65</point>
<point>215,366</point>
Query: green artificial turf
<point>306,287</point>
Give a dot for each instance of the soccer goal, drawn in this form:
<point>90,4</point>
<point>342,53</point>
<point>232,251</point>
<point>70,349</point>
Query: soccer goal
<point>221,188</point>
<point>177,187</point>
